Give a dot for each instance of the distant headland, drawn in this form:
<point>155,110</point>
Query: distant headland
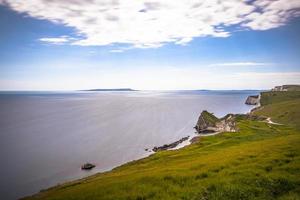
<point>111,89</point>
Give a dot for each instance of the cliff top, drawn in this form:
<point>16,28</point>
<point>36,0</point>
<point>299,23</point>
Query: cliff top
<point>209,117</point>
<point>287,88</point>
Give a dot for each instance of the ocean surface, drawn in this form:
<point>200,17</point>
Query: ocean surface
<point>45,137</point>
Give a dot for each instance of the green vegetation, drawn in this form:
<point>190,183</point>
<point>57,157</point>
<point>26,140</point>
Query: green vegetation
<point>286,112</point>
<point>276,97</point>
<point>261,161</point>
<point>209,118</point>
<point>282,107</point>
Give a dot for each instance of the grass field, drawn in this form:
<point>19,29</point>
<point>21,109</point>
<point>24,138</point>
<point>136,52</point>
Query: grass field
<point>261,161</point>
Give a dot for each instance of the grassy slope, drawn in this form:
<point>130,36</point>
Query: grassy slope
<point>262,161</point>
<point>286,112</point>
<point>282,107</point>
<point>209,118</point>
<point>277,97</point>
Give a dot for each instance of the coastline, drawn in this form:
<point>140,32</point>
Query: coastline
<point>145,155</point>
<point>186,143</point>
<point>193,164</point>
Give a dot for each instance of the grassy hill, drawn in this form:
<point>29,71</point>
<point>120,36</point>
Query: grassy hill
<point>282,107</point>
<point>261,161</point>
<point>277,97</point>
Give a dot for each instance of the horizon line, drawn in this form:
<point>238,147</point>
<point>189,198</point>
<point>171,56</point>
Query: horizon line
<point>129,90</point>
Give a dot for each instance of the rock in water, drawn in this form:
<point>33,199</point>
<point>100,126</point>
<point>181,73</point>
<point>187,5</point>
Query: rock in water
<point>88,166</point>
<point>253,100</point>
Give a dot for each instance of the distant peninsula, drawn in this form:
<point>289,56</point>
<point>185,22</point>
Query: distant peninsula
<point>114,89</point>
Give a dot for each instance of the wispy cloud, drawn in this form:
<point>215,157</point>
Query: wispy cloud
<point>240,64</point>
<point>151,24</point>
<point>116,50</point>
<point>57,40</point>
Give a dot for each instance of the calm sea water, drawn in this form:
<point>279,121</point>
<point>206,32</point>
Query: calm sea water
<point>46,137</point>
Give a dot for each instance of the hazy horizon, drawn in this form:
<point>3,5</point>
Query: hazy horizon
<point>133,90</point>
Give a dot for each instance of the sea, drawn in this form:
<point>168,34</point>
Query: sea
<point>45,137</point>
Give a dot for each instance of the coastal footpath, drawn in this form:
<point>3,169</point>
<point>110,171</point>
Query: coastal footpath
<point>258,160</point>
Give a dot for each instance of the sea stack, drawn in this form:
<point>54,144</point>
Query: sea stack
<point>253,100</point>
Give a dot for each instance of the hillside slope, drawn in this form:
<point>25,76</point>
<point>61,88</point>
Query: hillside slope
<point>287,112</point>
<point>261,161</point>
<point>272,97</point>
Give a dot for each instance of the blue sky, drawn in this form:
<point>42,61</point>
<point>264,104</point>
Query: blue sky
<point>49,46</point>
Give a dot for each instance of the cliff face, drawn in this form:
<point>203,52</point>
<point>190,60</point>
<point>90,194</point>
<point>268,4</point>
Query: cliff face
<point>208,123</point>
<point>227,124</point>
<point>205,121</point>
<point>253,100</point>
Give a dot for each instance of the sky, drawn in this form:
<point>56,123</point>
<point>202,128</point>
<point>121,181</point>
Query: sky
<point>149,44</point>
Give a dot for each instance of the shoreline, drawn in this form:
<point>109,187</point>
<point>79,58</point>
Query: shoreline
<point>196,136</point>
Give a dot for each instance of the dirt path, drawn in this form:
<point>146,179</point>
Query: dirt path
<point>269,121</point>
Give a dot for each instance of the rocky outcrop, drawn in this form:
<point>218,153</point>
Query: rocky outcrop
<point>170,146</point>
<point>227,124</point>
<point>208,123</point>
<point>88,166</point>
<point>253,100</point>
<point>278,88</point>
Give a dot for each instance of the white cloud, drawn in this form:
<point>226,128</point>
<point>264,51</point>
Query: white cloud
<point>57,40</point>
<point>151,24</point>
<point>240,64</point>
<point>272,14</point>
<point>116,51</point>
<point>184,41</point>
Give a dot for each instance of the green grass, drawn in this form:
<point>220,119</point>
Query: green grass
<point>285,112</point>
<point>261,161</point>
<point>209,118</point>
<point>277,97</point>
